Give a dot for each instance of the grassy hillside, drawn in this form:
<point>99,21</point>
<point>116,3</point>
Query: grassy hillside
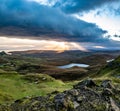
<point>34,81</point>
<point>14,86</point>
<point>111,69</point>
<point>110,72</point>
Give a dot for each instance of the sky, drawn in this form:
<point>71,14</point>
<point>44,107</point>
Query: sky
<point>59,25</point>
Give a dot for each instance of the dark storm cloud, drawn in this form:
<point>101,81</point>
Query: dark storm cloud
<point>28,15</point>
<point>75,6</point>
<point>41,19</point>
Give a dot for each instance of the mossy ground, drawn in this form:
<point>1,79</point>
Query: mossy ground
<point>15,86</point>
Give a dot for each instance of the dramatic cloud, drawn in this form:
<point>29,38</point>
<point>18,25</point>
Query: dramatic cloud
<point>74,6</point>
<point>40,20</point>
<point>55,20</point>
<point>113,8</point>
<point>107,17</point>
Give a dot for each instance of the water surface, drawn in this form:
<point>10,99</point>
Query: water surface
<point>110,60</point>
<point>73,65</point>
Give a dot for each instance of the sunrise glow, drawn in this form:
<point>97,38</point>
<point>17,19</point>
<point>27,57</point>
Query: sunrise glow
<point>14,44</point>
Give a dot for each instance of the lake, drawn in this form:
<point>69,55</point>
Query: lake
<point>73,65</point>
<point>110,60</point>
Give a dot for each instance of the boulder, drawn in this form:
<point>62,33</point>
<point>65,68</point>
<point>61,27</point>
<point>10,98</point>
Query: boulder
<point>85,83</point>
<point>107,84</point>
<point>91,98</point>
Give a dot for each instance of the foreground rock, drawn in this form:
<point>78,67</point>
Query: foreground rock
<point>85,96</point>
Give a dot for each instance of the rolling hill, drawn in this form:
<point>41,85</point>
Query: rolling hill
<point>24,86</point>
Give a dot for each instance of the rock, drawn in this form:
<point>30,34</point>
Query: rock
<point>73,92</point>
<point>88,83</point>
<point>107,84</point>
<point>107,92</point>
<point>92,98</point>
<point>80,99</point>
<point>118,77</point>
<point>63,102</point>
<point>114,107</point>
<point>76,104</point>
<point>60,101</point>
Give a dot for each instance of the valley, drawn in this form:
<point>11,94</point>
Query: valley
<point>30,75</point>
<point>59,55</point>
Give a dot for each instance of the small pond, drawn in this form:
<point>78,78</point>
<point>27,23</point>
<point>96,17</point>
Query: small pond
<point>73,65</point>
<point>110,60</point>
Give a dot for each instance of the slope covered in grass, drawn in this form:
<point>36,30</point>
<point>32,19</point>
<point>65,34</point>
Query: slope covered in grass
<point>87,95</point>
<point>111,69</point>
<point>110,72</point>
<point>16,86</point>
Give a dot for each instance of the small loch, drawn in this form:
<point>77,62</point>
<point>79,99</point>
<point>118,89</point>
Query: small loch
<point>110,60</point>
<point>73,65</point>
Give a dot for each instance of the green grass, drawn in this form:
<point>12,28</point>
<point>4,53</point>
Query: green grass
<point>110,72</point>
<point>15,86</point>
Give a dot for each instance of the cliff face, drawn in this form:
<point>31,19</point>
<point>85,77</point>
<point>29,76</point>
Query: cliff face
<point>85,96</point>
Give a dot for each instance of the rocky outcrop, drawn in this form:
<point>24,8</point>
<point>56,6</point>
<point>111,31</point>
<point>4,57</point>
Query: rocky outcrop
<point>85,96</point>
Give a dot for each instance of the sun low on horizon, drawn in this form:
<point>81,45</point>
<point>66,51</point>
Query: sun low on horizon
<point>18,44</point>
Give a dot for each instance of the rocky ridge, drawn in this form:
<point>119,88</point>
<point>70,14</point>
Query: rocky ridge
<point>85,96</point>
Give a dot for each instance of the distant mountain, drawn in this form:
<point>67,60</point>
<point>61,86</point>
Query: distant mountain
<point>70,56</point>
<point>40,52</point>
